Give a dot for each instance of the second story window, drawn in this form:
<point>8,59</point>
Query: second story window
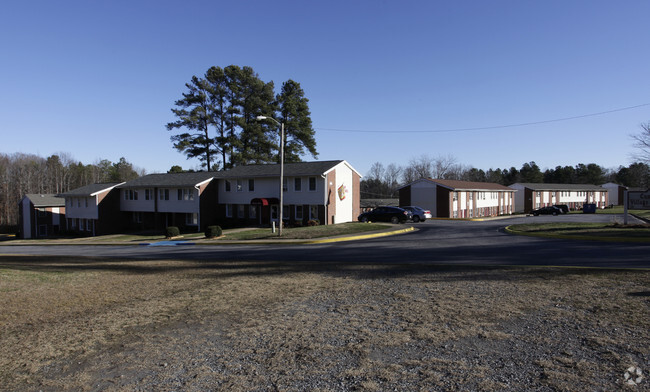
<point>164,194</point>
<point>240,185</point>
<point>227,186</point>
<point>186,194</point>
<point>312,183</point>
<point>284,184</point>
<point>297,184</point>
<point>130,194</point>
<point>251,185</point>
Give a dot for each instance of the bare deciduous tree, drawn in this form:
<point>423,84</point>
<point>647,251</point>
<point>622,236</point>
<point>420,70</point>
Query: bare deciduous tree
<point>642,142</point>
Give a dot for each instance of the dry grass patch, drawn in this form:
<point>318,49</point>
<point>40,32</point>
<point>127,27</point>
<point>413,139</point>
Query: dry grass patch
<point>97,324</point>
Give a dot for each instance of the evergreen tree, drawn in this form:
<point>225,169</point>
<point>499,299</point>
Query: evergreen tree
<point>194,114</point>
<point>294,112</point>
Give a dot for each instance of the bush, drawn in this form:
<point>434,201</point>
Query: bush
<point>313,222</point>
<point>172,231</point>
<point>213,231</point>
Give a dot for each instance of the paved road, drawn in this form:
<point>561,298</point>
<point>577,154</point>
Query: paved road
<point>435,242</point>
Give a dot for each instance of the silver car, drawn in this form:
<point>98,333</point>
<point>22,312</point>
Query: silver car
<point>419,213</point>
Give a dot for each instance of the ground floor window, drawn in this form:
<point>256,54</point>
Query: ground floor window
<point>240,211</point>
<point>192,219</point>
<point>285,212</point>
<point>298,212</point>
<point>228,210</point>
<point>252,211</point>
<point>137,217</point>
<point>313,212</point>
<point>274,212</point>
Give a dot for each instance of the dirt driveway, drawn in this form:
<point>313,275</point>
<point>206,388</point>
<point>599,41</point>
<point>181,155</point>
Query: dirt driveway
<point>103,325</point>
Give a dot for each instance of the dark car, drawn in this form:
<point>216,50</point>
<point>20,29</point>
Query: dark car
<point>563,208</point>
<point>550,210</point>
<point>419,213</point>
<point>386,214</point>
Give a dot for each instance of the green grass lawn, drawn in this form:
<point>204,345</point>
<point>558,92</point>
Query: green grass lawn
<point>309,232</point>
<point>593,231</point>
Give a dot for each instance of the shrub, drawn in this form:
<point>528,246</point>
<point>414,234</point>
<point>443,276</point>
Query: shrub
<point>213,231</point>
<point>313,222</point>
<point>172,231</point>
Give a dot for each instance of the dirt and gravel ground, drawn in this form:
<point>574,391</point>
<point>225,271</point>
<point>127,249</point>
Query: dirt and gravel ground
<point>105,325</point>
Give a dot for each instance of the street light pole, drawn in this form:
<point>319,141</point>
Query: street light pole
<point>259,118</point>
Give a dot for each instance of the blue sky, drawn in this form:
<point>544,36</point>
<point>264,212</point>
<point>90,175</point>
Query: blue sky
<point>97,79</point>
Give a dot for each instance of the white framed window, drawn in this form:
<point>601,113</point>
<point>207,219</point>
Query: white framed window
<point>78,202</point>
<point>240,211</point>
<point>298,212</point>
<point>251,185</point>
<point>312,184</point>
<point>240,185</point>
<point>137,217</point>
<point>148,194</point>
<point>228,210</point>
<point>192,219</point>
<point>164,194</point>
<point>252,211</point>
<point>455,196</point>
<point>186,194</point>
<point>227,185</point>
<point>285,212</point>
<point>313,212</point>
<point>284,184</point>
<point>297,184</point>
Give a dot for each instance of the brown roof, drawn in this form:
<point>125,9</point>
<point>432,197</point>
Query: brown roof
<point>469,185</point>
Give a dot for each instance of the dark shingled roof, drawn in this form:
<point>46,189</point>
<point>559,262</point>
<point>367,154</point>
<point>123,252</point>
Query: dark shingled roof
<point>45,200</point>
<point>560,187</point>
<point>469,185</point>
<point>273,170</point>
<point>170,180</point>
<point>90,189</point>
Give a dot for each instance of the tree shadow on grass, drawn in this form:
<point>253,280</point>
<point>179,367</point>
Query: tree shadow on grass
<point>220,269</point>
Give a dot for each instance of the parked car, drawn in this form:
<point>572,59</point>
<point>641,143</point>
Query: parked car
<point>550,210</point>
<point>386,214</point>
<point>419,213</point>
<point>563,208</point>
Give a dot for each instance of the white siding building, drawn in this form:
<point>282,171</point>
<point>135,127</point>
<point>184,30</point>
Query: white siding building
<point>531,196</point>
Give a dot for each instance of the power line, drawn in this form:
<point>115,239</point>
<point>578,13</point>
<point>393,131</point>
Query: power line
<point>491,127</point>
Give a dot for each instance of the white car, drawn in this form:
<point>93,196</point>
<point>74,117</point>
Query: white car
<point>419,213</point>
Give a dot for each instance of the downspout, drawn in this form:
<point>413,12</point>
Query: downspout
<point>198,215</point>
<point>325,189</point>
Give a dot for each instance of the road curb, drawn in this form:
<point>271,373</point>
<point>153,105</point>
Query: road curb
<point>509,230</point>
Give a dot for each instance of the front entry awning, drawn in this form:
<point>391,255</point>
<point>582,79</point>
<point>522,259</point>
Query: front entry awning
<point>265,201</point>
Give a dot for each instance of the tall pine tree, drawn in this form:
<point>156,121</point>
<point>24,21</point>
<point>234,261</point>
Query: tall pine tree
<point>294,112</point>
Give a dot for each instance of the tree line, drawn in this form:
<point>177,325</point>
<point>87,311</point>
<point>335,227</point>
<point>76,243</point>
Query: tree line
<point>217,119</point>
<point>383,181</point>
<point>21,174</point>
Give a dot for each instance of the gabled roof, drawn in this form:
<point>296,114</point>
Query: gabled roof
<point>170,180</point>
<point>458,185</point>
<point>45,200</point>
<point>560,187</point>
<point>290,169</point>
<point>91,190</point>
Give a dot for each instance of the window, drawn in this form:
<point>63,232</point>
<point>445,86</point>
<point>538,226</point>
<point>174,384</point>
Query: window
<point>297,184</point>
<point>137,217</point>
<point>313,212</point>
<point>285,212</point>
<point>130,194</point>
<point>240,211</point>
<point>252,211</point>
<point>240,185</point>
<point>298,212</point>
<point>228,210</point>
<point>470,195</point>
<point>274,212</point>
<point>284,184</point>
<point>164,194</point>
<point>455,196</point>
<point>148,194</point>
<point>186,194</point>
<point>251,185</point>
<point>192,219</point>
<point>78,202</point>
<point>312,183</point>
<point>227,186</point>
